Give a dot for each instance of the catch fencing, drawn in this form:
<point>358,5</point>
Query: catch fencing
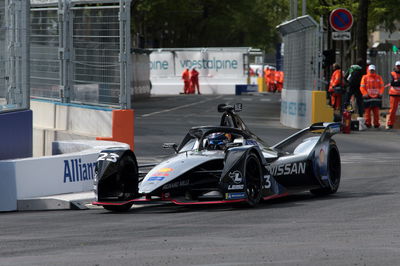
<point>302,54</point>
<point>14,68</point>
<point>384,62</point>
<point>80,51</point>
<point>302,39</point>
<point>2,54</point>
<point>44,45</point>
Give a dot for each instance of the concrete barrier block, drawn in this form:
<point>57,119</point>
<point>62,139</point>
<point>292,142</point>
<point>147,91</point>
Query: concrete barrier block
<point>38,142</point>
<point>49,137</point>
<point>90,122</point>
<point>61,117</point>
<point>8,192</point>
<point>43,114</point>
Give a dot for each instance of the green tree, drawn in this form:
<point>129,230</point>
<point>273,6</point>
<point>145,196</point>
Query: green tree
<point>384,13</point>
<point>207,23</point>
<point>362,31</point>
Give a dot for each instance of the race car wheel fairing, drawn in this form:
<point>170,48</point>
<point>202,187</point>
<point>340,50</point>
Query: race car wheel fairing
<point>122,183</point>
<point>334,172</point>
<point>253,175</point>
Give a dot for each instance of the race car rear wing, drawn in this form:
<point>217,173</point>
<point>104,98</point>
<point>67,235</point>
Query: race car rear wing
<point>326,130</point>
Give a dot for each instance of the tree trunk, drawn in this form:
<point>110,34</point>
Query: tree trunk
<point>362,32</point>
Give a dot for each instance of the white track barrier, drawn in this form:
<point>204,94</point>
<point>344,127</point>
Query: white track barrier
<point>69,172</point>
<point>219,70</point>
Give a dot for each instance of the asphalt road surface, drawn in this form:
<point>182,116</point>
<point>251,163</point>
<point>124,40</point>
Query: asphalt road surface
<point>359,225</point>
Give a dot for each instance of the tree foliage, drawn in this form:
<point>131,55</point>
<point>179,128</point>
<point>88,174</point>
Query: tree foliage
<point>381,13</point>
<point>229,23</point>
<point>384,13</point>
<point>208,23</point>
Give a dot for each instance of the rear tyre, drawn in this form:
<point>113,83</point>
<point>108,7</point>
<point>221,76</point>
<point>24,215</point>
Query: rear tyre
<point>118,208</point>
<point>253,175</point>
<point>334,172</point>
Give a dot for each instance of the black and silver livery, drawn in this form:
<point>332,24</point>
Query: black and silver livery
<point>223,164</point>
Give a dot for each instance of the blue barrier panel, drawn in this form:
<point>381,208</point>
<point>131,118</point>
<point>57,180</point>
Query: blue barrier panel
<point>241,88</point>
<point>16,134</point>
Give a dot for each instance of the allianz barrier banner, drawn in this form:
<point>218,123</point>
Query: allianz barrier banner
<point>51,175</point>
<point>210,64</point>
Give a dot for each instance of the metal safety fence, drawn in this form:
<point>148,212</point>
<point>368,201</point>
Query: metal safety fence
<point>96,55</point>
<point>44,44</point>
<point>302,54</point>
<point>14,52</point>
<point>2,54</point>
<point>384,62</point>
<point>81,51</point>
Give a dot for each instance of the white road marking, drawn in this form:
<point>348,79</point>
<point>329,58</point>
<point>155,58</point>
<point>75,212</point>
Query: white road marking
<point>265,100</point>
<point>180,107</point>
<point>376,158</point>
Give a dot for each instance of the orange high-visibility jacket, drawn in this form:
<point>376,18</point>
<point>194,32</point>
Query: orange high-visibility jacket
<point>266,75</point>
<point>271,76</point>
<point>395,88</point>
<point>336,79</point>
<point>279,76</point>
<point>185,75</point>
<point>194,75</point>
<point>372,85</point>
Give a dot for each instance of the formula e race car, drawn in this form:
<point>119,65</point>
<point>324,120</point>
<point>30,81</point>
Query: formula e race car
<point>223,164</point>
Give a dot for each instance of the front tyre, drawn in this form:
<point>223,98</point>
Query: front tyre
<point>253,175</point>
<point>334,173</point>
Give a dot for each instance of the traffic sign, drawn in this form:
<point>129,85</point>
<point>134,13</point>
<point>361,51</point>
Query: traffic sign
<point>341,19</point>
<point>341,36</point>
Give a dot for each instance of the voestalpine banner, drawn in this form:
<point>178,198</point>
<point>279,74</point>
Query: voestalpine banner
<point>209,64</point>
<point>162,64</point>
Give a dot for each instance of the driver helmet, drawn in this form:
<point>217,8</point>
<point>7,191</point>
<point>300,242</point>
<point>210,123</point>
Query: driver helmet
<point>218,141</point>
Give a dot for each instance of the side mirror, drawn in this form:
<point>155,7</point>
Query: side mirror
<point>221,108</point>
<point>238,107</point>
<point>171,146</point>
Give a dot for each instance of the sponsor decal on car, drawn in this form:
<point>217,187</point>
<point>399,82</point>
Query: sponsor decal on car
<point>176,184</point>
<point>267,181</point>
<point>235,187</point>
<point>236,177</point>
<point>235,195</point>
<point>288,169</point>
<point>108,156</point>
<point>160,174</point>
<point>163,170</point>
<point>251,142</point>
<point>155,178</point>
<point>321,156</point>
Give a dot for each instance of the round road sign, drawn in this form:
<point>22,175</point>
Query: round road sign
<point>341,19</point>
